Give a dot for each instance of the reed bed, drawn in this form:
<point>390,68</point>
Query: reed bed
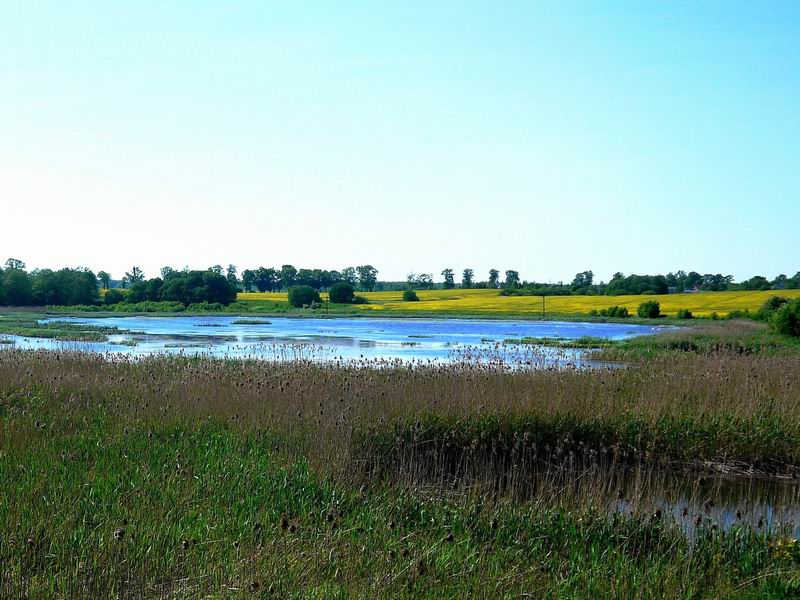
<point>684,408</point>
<point>189,477</point>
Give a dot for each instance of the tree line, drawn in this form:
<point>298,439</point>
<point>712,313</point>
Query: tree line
<point>79,286</point>
<point>584,283</point>
<point>76,286</point>
<point>269,279</point>
<point>72,287</point>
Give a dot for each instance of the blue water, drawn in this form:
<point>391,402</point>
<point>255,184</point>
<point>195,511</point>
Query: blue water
<point>346,339</point>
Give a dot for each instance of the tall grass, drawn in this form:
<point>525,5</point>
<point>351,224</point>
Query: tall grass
<point>189,477</point>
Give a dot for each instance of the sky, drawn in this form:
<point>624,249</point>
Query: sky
<point>545,137</point>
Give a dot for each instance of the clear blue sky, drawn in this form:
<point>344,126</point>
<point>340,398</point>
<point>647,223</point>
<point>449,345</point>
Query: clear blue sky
<point>547,137</point>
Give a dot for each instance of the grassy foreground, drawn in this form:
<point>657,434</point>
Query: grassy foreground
<point>489,303</point>
<point>176,477</point>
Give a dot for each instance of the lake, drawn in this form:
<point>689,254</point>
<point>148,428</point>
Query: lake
<point>377,340</point>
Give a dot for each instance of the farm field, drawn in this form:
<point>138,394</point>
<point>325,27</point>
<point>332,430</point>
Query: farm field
<point>489,303</point>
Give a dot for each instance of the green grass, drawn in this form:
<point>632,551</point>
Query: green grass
<point>151,508</point>
<point>251,322</point>
<point>27,324</point>
<point>558,342</point>
<point>747,338</point>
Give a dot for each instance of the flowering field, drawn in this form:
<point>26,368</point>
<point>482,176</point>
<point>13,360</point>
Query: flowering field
<point>489,302</point>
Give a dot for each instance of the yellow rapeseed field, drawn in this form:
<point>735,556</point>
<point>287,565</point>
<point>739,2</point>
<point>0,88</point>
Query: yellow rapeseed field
<point>489,302</point>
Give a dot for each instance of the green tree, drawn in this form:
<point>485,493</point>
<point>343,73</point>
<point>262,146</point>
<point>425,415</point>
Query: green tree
<point>410,296</point>
<point>781,282</point>
<point>266,279</point>
<point>105,279</point>
<point>512,279</point>
<point>190,287</point>
<point>350,275</point>
<point>367,277</point>
<point>17,287</point>
<point>15,264</point>
<point>65,287</point>
<point>341,293</point>
<point>137,292</point>
<point>230,275</point>
<point>449,282</point>
<point>494,278</point>
<point>303,295</point>
<point>287,276</point>
<point>134,275</point>
<point>248,279</point>
<point>758,282</point>
<point>467,278</point>
<point>582,281</point>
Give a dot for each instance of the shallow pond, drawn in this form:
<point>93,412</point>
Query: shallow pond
<point>329,339</point>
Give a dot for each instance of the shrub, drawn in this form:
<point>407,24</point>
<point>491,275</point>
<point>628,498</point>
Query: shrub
<point>410,296</point>
<point>360,300</point>
<point>341,293</point>
<point>163,306</point>
<point>205,306</point>
<point>649,310</point>
<point>618,312</point>
<point>684,313</point>
<point>786,320</point>
<point>770,307</point>
<point>774,303</point>
<point>303,295</point>
<point>113,297</point>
